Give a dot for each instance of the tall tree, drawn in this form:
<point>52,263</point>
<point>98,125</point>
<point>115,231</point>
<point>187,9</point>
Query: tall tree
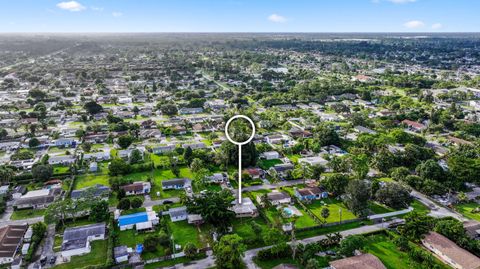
<point>229,252</point>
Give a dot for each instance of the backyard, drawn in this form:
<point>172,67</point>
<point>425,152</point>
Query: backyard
<point>96,257</point>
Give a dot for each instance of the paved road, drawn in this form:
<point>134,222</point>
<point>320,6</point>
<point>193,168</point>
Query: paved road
<point>19,222</point>
<point>250,254</point>
<point>285,183</point>
<point>148,202</point>
<point>436,211</point>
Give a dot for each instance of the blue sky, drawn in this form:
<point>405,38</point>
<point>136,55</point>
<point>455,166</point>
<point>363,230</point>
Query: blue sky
<point>239,16</point>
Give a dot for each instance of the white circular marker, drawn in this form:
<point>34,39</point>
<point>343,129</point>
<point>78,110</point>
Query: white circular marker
<point>240,117</point>
<point>239,144</point>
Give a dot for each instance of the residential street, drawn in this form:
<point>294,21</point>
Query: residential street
<point>436,210</point>
<point>250,254</point>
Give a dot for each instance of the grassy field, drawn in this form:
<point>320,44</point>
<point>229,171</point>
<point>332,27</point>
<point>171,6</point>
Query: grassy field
<point>382,246</point>
<point>266,164</point>
<point>89,180</point>
<point>377,208</point>
<point>466,210</point>
<point>27,213</point>
<point>276,218</point>
<point>184,233</point>
<point>334,206</point>
<point>243,227</point>
<point>97,256</point>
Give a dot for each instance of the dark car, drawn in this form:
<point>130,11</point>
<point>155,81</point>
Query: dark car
<point>167,202</point>
<point>52,259</point>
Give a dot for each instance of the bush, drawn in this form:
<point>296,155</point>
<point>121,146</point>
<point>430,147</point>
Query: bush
<point>124,204</point>
<point>136,202</point>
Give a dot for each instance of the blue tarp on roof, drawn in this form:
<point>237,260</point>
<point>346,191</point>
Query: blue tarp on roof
<point>132,219</point>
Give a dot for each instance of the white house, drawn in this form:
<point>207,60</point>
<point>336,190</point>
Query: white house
<point>270,155</point>
<point>314,161</point>
<point>140,187</point>
<point>178,213</point>
<point>76,240</point>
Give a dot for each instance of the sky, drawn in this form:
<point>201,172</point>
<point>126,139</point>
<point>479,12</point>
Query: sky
<point>239,16</point>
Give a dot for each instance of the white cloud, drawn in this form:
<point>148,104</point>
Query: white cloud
<point>71,6</point>
<point>437,26</point>
<point>414,24</point>
<point>402,1</point>
<point>277,18</point>
<point>117,14</point>
<point>97,8</point>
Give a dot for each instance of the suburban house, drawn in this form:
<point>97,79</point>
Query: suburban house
<point>93,167</point>
<point>63,160</point>
<point>97,156</point>
<point>190,110</point>
<point>163,149</point>
<point>310,193</point>
<point>449,252</point>
<point>276,198</point>
<point>281,169</point>
<point>195,219</point>
<point>274,139</point>
<point>176,183</point>
<point>141,221</point>
<point>11,237</point>
<point>120,254</point>
<point>362,261</point>
<point>246,209</point>
<point>364,130</point>
<point>472,228</point>
<point>178,213</point>
<point>313,161</point>
<point>136,188</point>
<point>217,178</point>
<point>414,126</point>
<point>254,172</point>
<point>65,142</point>
<point>38,199</point>
<point>97,191</point>
<point>76,240</point>
<point>200,145</point>
<point>270,155</point>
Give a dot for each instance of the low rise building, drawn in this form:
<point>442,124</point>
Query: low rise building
<point>76,240</point>
<point>449,252</point>
<point>11,238</point>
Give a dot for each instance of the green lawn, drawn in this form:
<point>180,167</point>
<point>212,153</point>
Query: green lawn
<point>89,180</point>
<point>420,208</point>
<point>266,164</point>
<point>61,170</point>
<point>57,244</point>
<point>276,218</point>
<point>131,238</point>
<point>97,256</point>
<point>378,208</point>
<point>334,206</point>
<point>467,209</point>
<point>243,227</point>
<point>27,213</point>
<point>184,233</point>
<point>382,246</point>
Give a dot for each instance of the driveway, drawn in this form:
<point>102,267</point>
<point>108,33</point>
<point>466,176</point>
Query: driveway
<point>436,211</point>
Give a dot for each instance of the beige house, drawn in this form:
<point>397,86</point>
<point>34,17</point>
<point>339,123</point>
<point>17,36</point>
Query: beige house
<point>363,261</point>
<point>449,252</point>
